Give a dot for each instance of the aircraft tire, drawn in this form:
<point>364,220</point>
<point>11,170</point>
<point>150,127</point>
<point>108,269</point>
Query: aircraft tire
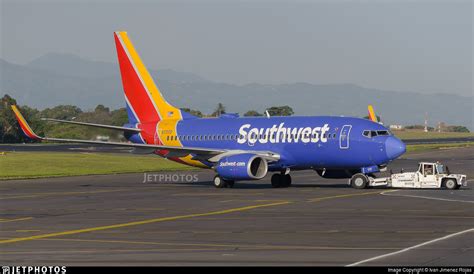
<point>219,182</point>
<point>229,183</point>
<point>359,181</point>
<point>286,180</point>
<point>277,180</point>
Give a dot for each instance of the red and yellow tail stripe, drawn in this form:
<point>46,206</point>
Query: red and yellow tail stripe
<point>24,125</point>
<point>154,114</point>
<point>372,115</point>
<point>140,90</point>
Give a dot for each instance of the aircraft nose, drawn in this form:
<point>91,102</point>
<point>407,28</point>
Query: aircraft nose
<point>394,147</point>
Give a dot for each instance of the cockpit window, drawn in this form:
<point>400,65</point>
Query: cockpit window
<point>382,132</point>
<point>373,133</point>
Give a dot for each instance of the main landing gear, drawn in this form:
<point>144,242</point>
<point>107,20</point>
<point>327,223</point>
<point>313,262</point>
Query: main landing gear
<point>278,180</point>
<point>222,183</point>
<point>281,180</point>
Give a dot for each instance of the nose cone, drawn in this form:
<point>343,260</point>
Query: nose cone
<point>394,147</point>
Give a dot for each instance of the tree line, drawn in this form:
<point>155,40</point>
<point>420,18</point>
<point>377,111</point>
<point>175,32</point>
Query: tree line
<point>220,109</point>
<point>10,132</point>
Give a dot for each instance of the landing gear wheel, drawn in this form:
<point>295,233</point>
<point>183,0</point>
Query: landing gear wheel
<point>277,180</point>
<point>280,180</point>
<point>219,182</point>
<point>286,180</point>
<point>230,183</point>
<point>451,184</point>
<point>359,181</point>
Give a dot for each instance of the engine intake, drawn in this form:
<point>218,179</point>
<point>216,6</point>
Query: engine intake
<point>244,166</point>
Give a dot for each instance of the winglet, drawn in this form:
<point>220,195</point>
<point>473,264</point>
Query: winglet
<point>24,125</point>
<point>372,115</point>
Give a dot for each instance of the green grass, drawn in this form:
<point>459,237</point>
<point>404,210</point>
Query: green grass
<point>22,165</point>
<point>418,134</point>
<point>425,147</point>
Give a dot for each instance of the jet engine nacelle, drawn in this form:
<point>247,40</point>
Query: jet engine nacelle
<point>336,173</point>
<point>244,166</point>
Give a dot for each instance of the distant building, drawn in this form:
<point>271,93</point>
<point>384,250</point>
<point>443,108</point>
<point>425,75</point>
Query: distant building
<point>396,127</point>
<point>102,138</point>
<point>442,127</point>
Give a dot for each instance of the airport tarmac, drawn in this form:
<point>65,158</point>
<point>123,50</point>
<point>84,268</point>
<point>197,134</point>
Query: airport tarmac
<point>119,220</point>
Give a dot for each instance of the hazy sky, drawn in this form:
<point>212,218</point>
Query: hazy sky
<point>423,46</point>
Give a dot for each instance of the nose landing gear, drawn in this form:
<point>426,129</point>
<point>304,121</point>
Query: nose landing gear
<point>359,181</point>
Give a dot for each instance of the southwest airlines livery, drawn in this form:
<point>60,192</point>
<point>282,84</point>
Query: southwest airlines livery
<point>242,148</point>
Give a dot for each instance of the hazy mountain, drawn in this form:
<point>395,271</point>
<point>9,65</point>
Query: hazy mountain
<point>68,79</point>
<point>70,64</point>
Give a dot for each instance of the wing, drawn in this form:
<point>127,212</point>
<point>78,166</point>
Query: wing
<point>209,154</point>
<point>92,125</point>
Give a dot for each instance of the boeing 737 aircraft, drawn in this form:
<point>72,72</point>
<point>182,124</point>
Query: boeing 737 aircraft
<point>242,148</point>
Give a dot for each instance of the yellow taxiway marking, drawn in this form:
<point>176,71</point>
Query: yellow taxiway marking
<point>15,220</point>
<point>179,217</point>
<point>149,221</point>
<point>345,196</point>
<point>43,194</point>
<point>250,200</point>
<point>99,251</point>
<point>240,246</point>
<point>216,194</point>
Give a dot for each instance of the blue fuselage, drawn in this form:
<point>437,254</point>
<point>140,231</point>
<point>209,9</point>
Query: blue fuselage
<point>302,142</point>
